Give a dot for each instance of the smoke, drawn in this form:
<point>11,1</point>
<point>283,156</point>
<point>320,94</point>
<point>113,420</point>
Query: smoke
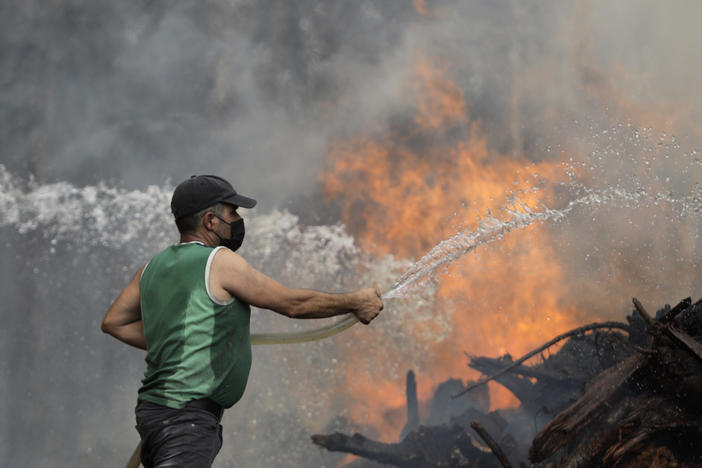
<point>106,105</point>
<point>153,91</point>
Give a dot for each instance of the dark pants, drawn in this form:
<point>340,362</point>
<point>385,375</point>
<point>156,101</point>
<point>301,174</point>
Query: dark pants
<point>190,437</point>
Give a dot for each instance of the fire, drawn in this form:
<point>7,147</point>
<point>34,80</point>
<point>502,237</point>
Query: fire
<point>401,191</point>
<point>440,101</point>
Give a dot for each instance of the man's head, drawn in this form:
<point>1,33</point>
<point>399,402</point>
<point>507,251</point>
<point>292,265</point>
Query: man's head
<point>188,224</point>
<point>209,202</point>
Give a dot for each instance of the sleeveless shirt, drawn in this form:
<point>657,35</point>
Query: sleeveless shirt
<point>197,346</point>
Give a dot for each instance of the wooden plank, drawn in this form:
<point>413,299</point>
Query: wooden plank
<point>564,426</point>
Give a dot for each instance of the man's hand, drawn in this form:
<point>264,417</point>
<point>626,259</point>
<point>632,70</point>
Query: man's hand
<point>369,305</point>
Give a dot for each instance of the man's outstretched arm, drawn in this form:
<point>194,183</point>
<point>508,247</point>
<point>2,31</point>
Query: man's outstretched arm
<point>242,281</point>
<point>123,319</point>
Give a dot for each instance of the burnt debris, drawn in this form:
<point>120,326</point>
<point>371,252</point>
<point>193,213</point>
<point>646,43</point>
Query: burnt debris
<point>615,394</point>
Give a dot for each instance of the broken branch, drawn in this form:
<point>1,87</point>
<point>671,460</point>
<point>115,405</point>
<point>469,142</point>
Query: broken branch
<point>496,449</point>
<point>576,331</point>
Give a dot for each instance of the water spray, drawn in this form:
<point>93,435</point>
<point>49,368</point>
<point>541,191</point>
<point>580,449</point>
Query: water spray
<point>61,209</point>
<point>463,242</point>
<point>38,208</point>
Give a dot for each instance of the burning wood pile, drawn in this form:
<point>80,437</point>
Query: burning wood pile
<point>613,399</point>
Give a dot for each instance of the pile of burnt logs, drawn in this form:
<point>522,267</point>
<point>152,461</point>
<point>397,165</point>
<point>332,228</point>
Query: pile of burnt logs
<point>646,410</point>
<point>615,394</point>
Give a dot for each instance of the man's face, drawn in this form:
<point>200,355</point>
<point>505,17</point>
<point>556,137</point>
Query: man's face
<point>228,216</point>
<point>229,227</point>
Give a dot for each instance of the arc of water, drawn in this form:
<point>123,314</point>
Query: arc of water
<point>445,252</point>
<point>451,249</point>
<point>150,201</point>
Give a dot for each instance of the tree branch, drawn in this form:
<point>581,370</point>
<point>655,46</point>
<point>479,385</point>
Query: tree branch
<point>576,331</point>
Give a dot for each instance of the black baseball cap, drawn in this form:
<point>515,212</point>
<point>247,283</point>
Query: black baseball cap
<point>202,191</point>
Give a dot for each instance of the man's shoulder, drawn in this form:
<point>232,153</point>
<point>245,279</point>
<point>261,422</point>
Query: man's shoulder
<point>226,255</point>
<point>227,260</point>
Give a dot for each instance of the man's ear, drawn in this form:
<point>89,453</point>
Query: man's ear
<point>208,221</point>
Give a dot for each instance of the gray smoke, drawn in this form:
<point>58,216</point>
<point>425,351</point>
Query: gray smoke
<point>146,93</point>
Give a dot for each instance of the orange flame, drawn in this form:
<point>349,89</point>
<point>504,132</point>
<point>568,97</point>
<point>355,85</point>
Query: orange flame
<point>440,101</point>
<point>397,192</point>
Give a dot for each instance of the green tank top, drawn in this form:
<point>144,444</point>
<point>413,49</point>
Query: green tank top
<point>197,346</point>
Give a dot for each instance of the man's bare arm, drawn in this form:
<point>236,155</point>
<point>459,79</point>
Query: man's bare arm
<point>236,277</point>
<point>123,319</point>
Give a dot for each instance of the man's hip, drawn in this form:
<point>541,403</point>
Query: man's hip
<point>189,437</point>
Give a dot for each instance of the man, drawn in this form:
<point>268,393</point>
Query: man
<point>189,309</point>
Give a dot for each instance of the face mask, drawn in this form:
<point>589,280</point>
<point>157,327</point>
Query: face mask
<point>237,231</point>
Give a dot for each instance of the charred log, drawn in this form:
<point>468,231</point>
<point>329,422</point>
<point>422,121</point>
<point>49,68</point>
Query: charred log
<point>646,411</point>
<point>563,428</point>
<point>412,406</point>
<point>451,445</point>
<point>621,400</point>
<point>440,446</point>
<point>494,446</point>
